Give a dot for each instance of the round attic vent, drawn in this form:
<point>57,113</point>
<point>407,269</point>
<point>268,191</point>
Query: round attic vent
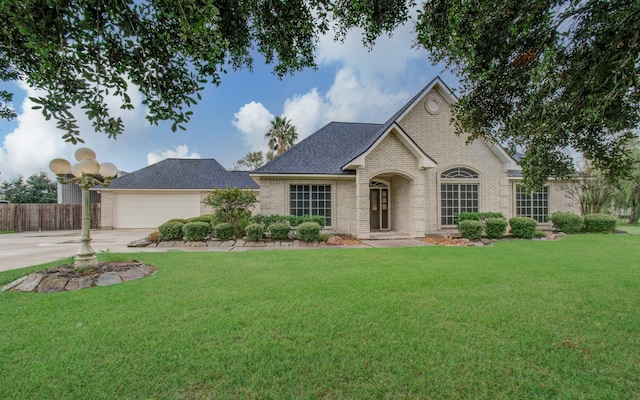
<point>432,105</point>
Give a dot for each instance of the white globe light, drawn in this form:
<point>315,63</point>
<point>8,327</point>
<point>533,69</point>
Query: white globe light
<point>84,152</point>
<point>89,166</point>
<point>60,166</point>
<point>76,170</point>
<point>108,170</point>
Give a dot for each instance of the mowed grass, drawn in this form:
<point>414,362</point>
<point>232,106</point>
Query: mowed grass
<point>630,229</point>
<point>520,320</point>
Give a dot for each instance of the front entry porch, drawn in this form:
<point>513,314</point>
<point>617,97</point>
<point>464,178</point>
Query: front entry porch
<point>390,207</point>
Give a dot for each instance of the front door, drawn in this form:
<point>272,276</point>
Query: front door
<point>378,208</point>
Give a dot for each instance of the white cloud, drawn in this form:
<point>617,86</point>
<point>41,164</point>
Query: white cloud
<point>385,65</point>
<point>307,112</point>
<point>181,151</point>
<point>368,86</point>
<point>252,120</point>
<point>30,147</point>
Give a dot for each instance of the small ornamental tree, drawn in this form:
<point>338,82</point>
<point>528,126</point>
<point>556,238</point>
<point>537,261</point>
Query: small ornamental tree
<point>231,204</point>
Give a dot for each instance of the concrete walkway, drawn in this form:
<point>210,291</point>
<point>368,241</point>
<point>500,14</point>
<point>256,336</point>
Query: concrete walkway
<point>25,249</point>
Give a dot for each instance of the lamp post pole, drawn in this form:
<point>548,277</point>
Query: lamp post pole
<point>86,173</point>
<point>86,256</point>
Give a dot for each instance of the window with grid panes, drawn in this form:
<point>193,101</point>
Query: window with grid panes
<point>310,200</point>
<point>457,196</point>
<point>534,205</point>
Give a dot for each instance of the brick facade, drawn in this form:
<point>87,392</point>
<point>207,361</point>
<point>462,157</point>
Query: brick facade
<point>414,191</point>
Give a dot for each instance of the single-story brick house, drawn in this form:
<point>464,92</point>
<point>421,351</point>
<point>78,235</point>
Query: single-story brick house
<point>410,175</point>
<point>171,188</point>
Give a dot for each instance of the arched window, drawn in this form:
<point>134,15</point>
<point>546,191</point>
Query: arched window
<point>463,173</point>
<point>458,193</point>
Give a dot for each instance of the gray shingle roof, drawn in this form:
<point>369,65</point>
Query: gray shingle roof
<point>176,173</point>
<point>326,151</point>
<point>335,145</point>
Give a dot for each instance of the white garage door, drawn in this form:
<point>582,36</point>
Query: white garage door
<point>135,210</point>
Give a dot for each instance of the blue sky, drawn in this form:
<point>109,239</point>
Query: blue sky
<point>351,84</point>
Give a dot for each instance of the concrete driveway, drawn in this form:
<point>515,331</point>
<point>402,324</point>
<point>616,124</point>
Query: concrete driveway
<point>25,249</point>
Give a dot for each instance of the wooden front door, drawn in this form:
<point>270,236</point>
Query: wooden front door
<point>378,208</point>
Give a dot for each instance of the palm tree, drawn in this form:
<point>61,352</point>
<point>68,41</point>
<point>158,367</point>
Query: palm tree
<point>282,135</point>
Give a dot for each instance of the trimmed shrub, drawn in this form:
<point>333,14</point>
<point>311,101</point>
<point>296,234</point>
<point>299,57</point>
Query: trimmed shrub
<point>523,227</point>
<point>171,230</point>
<point>318,219</point>
<point>196,231</point>
<point>489,214</point>
<point>470,229</point>
<point>279,230</point>
<point>567,222</point>
<point>224,231</point>
<point>467,216</point>
<point>182,220</point>
<point>254,232</point>
<point>477,216</point>
<point>208,218</point>
<point>495,228</point>
<point>309,231</point>
<point>599,223</point>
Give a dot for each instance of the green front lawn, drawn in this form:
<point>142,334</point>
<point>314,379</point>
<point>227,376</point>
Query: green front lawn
<point>630,229</point>
<point>520,320</point>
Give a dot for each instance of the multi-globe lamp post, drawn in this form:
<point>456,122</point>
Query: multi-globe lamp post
<point>86,173</point>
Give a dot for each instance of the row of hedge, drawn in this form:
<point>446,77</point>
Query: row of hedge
<point>495,228</point>
<point>277,227</point>
<point>473,225</point>
<point>569,222</point>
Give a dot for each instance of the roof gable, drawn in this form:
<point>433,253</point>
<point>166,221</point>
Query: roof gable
<point>424,161</point>
<point>179,173</point>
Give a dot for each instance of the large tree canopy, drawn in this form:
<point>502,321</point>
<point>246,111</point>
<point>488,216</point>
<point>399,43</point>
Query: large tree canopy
<point>540,76</point>
<point>81,51</point>
<point>543,77</point>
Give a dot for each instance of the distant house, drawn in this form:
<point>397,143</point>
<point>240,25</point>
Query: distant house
<point>410,175</point>
<point>172,188</point>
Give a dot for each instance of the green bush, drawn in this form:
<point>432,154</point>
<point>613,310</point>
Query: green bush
<point>477,216</point>
<point>181,220</point>
<point>567,222</point>
<point>599,223</point>
<point>254,232</point>
<point>224,231</point>
<point>308,231</point>
<point>196,231</point>
<point>495,228</point>
<point>279,230</point>
<point>292,220</point>
<point>489,214</point>
<point>523,227</point>
<point>208,218</point>
<point>243,222</point>
<point>267,220</point>
<point>467,216</point>
<point>318,219</point>
<point>470,229</point>
<point>171,230</point>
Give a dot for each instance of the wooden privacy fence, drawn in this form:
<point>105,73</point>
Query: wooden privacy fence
<point>45,217</point>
